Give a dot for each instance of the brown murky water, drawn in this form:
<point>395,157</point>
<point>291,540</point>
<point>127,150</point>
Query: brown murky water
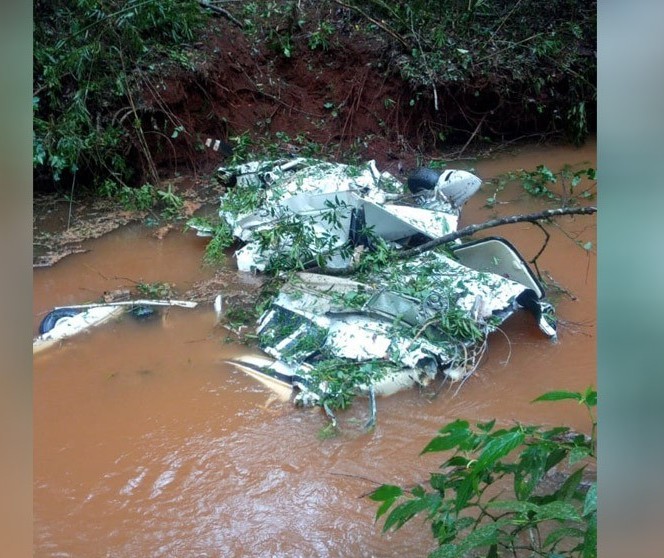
<point>146,444</point>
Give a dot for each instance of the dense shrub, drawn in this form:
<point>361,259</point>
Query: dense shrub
<point>91,60</point>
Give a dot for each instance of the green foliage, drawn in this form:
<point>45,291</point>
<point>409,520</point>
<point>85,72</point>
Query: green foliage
<point>458,326</point>
<point>533,58</point>
<point>298,244</point>
<point>573,184</point>
<point>320,38</point>
<point>295,243</point>
<point>242,145</point>
<point>145,198</point>
<point>273,23</point>
<point>91,59</point>
<point>139,199</point>
<point>238,316</point>
<point>222,238</point>
<point>342,378</point>
<point>157,290</point>
<point>171,203</point>
<point>539,519</point>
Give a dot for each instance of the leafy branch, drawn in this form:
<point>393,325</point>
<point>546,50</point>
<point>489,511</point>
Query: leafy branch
<point>460,502</point>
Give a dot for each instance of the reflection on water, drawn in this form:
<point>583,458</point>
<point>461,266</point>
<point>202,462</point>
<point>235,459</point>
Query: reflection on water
<point>147,444</point>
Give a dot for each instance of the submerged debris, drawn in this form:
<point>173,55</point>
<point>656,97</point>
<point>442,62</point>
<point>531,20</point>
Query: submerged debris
<point>390,324</point>
<point>66,321</point>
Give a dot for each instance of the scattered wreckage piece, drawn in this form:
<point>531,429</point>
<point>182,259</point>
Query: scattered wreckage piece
<point>66,321</point>
<point>400,327</point>
<point>321,210</point>
<point>395,325</point>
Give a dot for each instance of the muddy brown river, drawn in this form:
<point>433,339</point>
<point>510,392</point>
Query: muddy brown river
<point>147,444</point>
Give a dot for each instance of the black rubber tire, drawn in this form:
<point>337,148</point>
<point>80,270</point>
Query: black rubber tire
<point>54,316</point>
<point>423,179</point>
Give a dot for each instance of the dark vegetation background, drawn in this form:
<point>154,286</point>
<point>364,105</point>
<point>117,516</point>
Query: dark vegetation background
<point>126,93</point>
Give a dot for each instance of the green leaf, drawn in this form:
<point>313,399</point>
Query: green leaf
<point>482,536</point>
<point>559,395</point>
<point>404,512</point>
<point>590,503</point>
<point>447,551</point>
<point>555,457</point>
<point>457,461</point>
<point>438,481</point>
<point>418,491</point>
<point>499,447</point>
<point>567,491</point>
<point>382,509</point>
<point>590,397</point>
<point>464,491</point>
<point>554,537</point>
<point>529,470</point>
<point>559,511</point>
<point>590,540</point>
<point>386,492</point>
<point>486,426</point>
<point>453,435</point>
<point>486,535</point>
<point>577,454</point>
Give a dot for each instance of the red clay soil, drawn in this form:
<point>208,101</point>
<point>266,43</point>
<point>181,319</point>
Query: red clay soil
<point>339,100</point>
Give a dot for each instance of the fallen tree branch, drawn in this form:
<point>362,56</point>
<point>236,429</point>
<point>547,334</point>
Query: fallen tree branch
<point>469,231</point>
<point>377,23</point>
<point>470,139</point>
<point>220,11</point>
<point>472,229</point>
<point>547,236</point>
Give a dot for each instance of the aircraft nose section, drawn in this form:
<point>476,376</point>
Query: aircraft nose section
<point>457,186</point>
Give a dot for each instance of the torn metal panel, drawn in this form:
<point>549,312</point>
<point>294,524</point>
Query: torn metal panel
<point>421,315</point>
<point>405,321</point>
<point>320,201</point>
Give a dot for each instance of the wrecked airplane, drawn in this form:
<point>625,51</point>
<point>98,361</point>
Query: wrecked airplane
<point>388,323</point>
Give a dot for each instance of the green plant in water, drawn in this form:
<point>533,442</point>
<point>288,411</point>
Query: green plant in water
<point>537,183</point>
<point>222,238</point>
<point>239,316</point>
<point>139,199</point>
<point>467,518</point>
<point>157,290</point>
<point>171,203</point>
